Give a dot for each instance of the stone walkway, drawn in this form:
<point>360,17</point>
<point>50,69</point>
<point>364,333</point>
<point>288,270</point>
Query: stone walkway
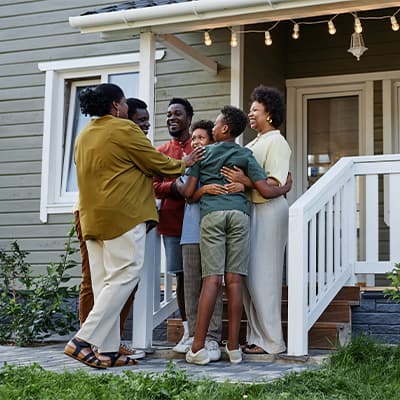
<point>254,368</point>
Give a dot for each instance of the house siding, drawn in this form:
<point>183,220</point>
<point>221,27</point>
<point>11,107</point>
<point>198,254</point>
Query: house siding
<point>38,31</point>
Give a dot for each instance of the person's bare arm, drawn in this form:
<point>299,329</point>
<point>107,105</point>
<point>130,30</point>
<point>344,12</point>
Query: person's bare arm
<point>269,191</point>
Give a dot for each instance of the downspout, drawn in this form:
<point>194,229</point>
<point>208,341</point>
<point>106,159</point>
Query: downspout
<point>196,7</point>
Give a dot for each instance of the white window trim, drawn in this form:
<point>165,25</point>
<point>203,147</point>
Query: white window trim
<point>51,199</point>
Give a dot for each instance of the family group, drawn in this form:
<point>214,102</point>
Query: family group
<point>222,215</point>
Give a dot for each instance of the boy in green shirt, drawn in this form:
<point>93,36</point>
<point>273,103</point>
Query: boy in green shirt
<point>224,229</point>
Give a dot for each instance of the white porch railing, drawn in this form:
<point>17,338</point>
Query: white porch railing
<point>154,302</point>
<point>325,234</point>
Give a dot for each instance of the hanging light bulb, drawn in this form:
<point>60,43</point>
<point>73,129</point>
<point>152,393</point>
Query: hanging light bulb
<point>234,41</point>
<point>268,38</point>
<point>331,27</point>
<point>395,24</point>
<point>357,25</point>
<point>207,39</point>
<point>357,47</point>
<point>296,31</point>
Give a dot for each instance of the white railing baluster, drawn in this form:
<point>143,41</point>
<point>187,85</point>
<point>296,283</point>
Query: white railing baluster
<point>329,242</point>
<point>312,262</point>
<point>394,217</point>
<point>371,223</point>
<point>336,234</point>
<point>321,252</point>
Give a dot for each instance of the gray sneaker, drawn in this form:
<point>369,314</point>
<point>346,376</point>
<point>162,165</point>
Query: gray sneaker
<point>213,350</point>
<point>199,358</point>
<point>183,346</point>
<point>235,356</point>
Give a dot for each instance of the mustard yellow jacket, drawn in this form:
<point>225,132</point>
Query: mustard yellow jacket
<point>115,163</point>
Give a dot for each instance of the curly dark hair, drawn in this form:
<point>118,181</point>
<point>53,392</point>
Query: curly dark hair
<point>273,102</point>
<point>98,101</point>
<point>134,104</point>
<point>235,118</point>
<point>185,103</point>
<point>205,124</point>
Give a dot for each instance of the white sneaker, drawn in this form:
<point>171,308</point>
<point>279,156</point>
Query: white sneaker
<point>235,356</point>
<point>213,350</point>
<point>199,358</point>
<point>184,345</point>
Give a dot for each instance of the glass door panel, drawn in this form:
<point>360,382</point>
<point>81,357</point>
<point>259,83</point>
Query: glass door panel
<point>332,133</point>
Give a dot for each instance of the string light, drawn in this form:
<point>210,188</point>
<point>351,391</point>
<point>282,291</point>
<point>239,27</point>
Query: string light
<point>296,31</point>
<point>268,38</point>
<point>357,25</point>
<point>331,27</point>
<point>357,47</point>
<point>234,41</point>
<point>395,24</point>
<point>207,39</point>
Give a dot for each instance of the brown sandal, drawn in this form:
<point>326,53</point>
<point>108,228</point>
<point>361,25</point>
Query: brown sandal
<point>118,360</point>
<point>253,349</point>
<point>74,349</point>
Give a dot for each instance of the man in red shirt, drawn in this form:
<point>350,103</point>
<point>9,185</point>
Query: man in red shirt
<point>179,118</point>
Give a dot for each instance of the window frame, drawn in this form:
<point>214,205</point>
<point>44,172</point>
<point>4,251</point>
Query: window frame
<point>53,198</point>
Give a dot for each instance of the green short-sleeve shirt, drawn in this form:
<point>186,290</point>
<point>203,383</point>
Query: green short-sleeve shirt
<point>208,169</point>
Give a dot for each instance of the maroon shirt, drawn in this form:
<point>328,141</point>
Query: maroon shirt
<point>172,204</point>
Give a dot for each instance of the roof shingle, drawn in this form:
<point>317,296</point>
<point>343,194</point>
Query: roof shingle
<point>132,5</point>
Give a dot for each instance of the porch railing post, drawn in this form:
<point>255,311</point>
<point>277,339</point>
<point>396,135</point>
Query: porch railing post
<point>142,330</point>
<point>297,284</point>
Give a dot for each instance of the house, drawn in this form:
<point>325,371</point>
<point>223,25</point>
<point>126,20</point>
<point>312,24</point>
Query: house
<point>338,62</point>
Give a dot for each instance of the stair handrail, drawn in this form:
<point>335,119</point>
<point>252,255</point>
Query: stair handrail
<point>327,214</point>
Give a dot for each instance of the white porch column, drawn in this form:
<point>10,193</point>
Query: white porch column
<point>237,74</point>
<point>143,306</point>
<point>147,66</point>
<point>142,329</point>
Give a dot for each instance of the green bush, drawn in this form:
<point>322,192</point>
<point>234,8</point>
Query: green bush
<point>34,307</point>
<point>394,277</point>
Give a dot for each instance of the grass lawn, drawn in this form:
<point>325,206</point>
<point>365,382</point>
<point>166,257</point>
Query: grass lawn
<point>362,370</point>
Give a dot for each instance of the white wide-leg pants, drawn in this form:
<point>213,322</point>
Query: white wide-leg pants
<point>115,267</point>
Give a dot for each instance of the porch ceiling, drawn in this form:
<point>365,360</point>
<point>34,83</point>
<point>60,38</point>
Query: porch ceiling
<point>210,14</point>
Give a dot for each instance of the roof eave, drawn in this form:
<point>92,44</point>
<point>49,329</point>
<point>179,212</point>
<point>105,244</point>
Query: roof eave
<point>210,14</point>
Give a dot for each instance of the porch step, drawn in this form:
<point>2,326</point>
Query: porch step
<point>337,311</point>
<point>332,329</point>
<point>325,335</point>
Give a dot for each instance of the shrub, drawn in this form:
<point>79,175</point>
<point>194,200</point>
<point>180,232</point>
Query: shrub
<point>34,307</point>
<point>394,277</point>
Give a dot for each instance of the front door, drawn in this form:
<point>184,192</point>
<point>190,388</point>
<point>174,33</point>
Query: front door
<point>324,123</point>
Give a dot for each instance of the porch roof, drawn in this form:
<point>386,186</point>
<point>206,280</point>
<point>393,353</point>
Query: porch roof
<point>167,16</point>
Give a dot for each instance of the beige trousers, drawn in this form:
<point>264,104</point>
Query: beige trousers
<point>115,267</point>
<point>262,290</point>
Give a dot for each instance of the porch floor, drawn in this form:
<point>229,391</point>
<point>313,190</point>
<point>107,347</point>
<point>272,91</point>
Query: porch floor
<point>253,369</point>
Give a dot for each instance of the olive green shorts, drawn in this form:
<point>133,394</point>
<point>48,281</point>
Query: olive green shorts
<point>225,242</point>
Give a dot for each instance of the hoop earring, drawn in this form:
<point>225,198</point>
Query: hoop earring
<point>269,119</point>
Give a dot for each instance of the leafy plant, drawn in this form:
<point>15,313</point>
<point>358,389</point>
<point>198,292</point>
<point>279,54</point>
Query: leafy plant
<point>394,277</point>
<point>34,307</point>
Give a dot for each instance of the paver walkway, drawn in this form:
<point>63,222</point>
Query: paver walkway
<point>254,368</point>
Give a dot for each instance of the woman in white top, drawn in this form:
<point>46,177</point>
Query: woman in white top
<point>269,225</point>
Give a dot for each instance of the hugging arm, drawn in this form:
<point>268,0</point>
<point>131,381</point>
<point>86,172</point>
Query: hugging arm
<point>269,191</point>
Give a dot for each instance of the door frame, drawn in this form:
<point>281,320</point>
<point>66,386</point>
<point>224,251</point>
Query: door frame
<point>302,89</point>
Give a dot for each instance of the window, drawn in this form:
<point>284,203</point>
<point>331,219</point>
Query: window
<point>63,119</point>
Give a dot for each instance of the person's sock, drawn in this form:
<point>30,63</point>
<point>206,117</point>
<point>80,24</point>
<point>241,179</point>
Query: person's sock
<point>185,329</point>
